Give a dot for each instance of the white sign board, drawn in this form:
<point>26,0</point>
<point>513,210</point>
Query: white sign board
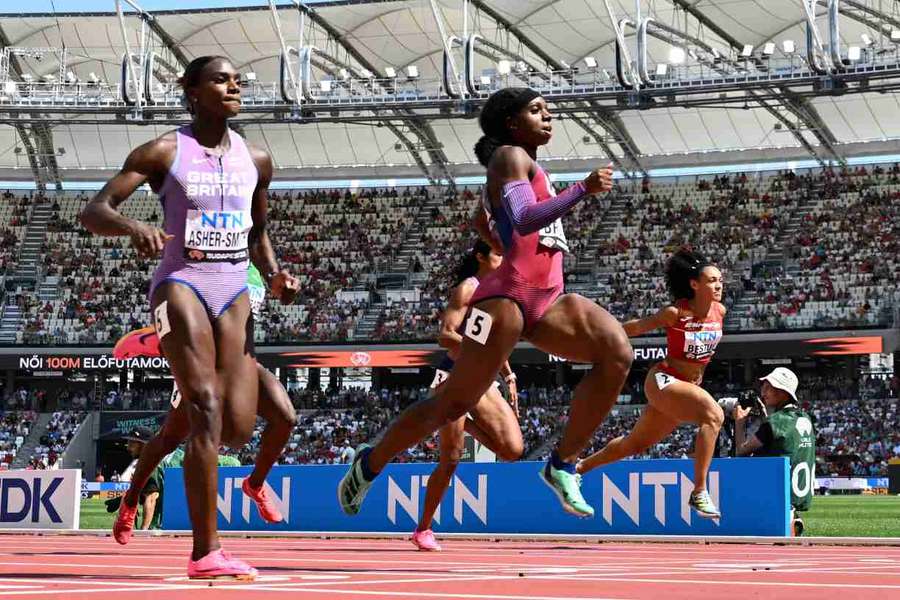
<point>40,499</point>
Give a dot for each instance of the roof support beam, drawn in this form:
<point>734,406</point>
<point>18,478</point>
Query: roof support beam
<point>613,126</point>
<point>41,155</point>
<point>420,128</point>
<point>800,107</point>
<point>167,40</point>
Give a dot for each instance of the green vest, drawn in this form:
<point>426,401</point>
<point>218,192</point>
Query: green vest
<point>794,436</point>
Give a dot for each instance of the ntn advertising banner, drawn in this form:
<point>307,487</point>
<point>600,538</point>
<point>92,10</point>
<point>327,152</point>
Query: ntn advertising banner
<point>629,497</point>
<point>40,499</point>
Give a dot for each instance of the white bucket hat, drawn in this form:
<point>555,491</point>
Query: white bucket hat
<point>783,379</point>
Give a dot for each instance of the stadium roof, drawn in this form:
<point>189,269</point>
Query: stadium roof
<point>379,34</point>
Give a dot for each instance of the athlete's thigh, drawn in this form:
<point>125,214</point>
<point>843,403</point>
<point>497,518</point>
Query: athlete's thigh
<point>491,332</point>
<point>652,426</point>
<point>578,329</point>
<point>274,402</point>
<point>451,439</point>
<point>186,339</point>
<point>235,366</point>
<point>495,424</point>
<point>682,401</point>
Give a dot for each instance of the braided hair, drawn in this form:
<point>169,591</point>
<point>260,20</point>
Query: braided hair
<point>684,266</point>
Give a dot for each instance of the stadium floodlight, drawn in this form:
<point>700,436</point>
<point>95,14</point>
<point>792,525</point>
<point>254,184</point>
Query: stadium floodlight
<point>662,69</point>
<point>866,40</point>
<point>390,72</point>
<point>325,85</point>
<point>485,80</point>
<point>504,67</point>
<point>747,51</point>
<point>70,77</point>
<point>92,77</point>
<point>677,55</point>
<point>769,49</point>
<point>365,74</point>
<point>521,67</point>
<point>27,77</point>
<point>9,88</point>
<point>788,46</point>
<point>854,53</point>
<point>250,76</point>
<point>344,74</point>
<point>895,35</point>
<point>49,77</point>
<point>412,72</point>
<point>590,62</point>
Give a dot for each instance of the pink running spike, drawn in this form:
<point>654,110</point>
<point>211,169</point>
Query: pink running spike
<point>267,509</point>
<point>424,540</point>
<point>218,564</point>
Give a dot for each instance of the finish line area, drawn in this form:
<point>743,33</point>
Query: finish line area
<point>74,564</point>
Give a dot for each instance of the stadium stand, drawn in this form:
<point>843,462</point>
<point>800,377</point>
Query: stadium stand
<point>798,250</point>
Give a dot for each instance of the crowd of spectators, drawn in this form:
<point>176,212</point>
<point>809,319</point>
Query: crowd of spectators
<point>835,265</point>
<point>14,428</point>
<point>841,268</point>
<point>53,443</point>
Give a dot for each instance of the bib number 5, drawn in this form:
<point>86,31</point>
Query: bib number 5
<point>478,326</point>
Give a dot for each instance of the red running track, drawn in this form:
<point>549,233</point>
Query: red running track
<point>356,569</point>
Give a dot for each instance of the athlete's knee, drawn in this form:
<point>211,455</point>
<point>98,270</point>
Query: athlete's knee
<point>288,419</point>
<point>169,440</point>
<point>205,406</point>
<point>511,450</point>
<point>449,459</point>
<point>713,416</point>
<point>613,350</point>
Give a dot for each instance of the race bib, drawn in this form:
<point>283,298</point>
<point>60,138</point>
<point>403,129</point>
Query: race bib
<point>664,380</point>
<point>217,236</point>
<point>478,327</point>
<point>175,400</point>
<point>162,319</point>
<point>440,376</point>
<point>701,344</point>
<point>554,236</point>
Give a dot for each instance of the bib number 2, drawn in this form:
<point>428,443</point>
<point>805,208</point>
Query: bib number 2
<point>664,380</point>
<point>478,327</point>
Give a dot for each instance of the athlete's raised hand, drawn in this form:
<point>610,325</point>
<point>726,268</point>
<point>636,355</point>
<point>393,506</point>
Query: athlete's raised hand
<point>284,286</point>
<point>599,180</point>
<point>148,240</point>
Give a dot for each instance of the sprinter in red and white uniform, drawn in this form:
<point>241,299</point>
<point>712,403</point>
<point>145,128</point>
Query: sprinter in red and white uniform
<point>693,324</point>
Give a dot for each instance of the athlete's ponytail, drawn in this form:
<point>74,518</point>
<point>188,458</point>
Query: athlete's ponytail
<point>469,265</point>
<point>484,149</point>
<point>684,266</point>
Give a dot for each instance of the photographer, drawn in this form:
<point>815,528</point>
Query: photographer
<point>788,431</point>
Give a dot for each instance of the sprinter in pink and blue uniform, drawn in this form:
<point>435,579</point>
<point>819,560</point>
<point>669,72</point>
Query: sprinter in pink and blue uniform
<point>523,298</point>
<point>213,189</point>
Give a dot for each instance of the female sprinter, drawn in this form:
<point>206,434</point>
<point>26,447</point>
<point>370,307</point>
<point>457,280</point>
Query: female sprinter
<point>213,189</point>
<point>274,406</point>
<point>693,325</point>
<point>523,298</point>
<point>493,422</point>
